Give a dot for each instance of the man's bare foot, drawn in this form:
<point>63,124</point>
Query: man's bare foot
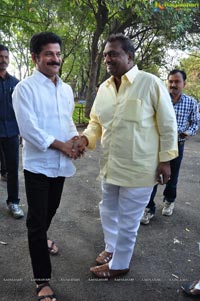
<point>53,249</point>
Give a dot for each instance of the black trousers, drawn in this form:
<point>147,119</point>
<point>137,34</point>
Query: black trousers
<point>170,190</point>
<point>10,147</point>
<point>2,161</point>
<point>43,197</point>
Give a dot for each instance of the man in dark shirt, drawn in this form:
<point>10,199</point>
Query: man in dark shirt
<point>9,133</point>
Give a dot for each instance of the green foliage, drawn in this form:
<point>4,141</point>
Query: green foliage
<point>192,67</point>
<point>84,26</point>
<point>79,115</point>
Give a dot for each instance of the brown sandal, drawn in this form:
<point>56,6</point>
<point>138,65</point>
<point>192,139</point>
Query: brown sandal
<point>40,287</point>
<point>103,271</point>
<point>104,257</point>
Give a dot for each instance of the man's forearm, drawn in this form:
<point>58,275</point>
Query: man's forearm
<point>59,145</point>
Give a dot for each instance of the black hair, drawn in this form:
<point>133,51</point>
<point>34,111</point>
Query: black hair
<point>126,43</point>
<point>41,39</point>
<point>2,48</point>
<point>183,73</point>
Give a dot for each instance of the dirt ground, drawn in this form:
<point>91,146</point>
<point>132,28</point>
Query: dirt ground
<point>167,251</point>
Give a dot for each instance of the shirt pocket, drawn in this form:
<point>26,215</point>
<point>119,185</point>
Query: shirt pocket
<point>133,110</point>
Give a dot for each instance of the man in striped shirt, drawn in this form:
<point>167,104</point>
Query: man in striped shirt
<point>186,111</point>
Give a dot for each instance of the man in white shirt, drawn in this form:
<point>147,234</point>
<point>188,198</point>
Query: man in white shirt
<point>43,105</point>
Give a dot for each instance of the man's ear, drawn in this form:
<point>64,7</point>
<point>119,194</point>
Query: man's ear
<point>184,83</point>
<point>34,57</point>
<point>130,57</point>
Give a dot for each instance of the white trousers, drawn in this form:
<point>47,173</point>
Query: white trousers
<point>121,210</point>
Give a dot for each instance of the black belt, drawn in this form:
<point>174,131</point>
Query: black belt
<point>181,142</point>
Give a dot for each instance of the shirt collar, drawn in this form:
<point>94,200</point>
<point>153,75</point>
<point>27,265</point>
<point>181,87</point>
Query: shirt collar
<point>180,98</point>
<point>130,75</point>
<point>42,78</point>
<point>7,76</point>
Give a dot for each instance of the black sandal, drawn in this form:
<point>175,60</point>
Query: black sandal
<point>40,287</point>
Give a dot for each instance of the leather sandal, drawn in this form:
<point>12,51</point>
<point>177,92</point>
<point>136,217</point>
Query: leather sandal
<point>103,271</point>
<point>40,287</point>
<point>51,248</point>
<point>104,257</point>
<point>189,288</point>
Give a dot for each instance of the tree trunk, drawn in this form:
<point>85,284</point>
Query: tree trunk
<point>101,20</point>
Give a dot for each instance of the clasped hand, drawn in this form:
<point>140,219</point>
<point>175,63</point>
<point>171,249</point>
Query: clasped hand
<point>75,147</point>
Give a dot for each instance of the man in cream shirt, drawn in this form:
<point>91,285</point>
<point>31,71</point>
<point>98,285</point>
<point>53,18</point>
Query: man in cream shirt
<point>134,118</point>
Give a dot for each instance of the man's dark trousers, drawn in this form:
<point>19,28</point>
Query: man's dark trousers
<point>43,197</point>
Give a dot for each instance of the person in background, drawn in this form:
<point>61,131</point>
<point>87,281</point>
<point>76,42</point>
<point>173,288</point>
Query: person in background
<point>44,105</point>
<point>199,114</point>
<point>9,134</point>
<point>186,111</point>
<point>3,165</point>
<point>133,116</point>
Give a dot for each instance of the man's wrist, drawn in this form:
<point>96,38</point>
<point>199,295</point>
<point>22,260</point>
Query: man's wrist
<point>165,163</point>
<point>59,145</point>
<point>84,140</point>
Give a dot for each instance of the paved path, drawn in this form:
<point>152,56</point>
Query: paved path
<point>166,253</point>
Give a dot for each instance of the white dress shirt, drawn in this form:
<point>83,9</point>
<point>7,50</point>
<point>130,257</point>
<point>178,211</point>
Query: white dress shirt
<point>44,113</point>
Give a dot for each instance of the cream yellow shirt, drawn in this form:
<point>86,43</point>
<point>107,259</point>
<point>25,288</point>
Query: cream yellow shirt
<point>137,127</point>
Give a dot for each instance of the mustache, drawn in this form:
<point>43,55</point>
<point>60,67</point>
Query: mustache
<point>4,63</point>
<point>110,64</point>
<point>173,88</point>
<point>53,63</point>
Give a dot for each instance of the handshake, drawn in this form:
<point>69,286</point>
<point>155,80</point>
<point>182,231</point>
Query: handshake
<point>75,147</point>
